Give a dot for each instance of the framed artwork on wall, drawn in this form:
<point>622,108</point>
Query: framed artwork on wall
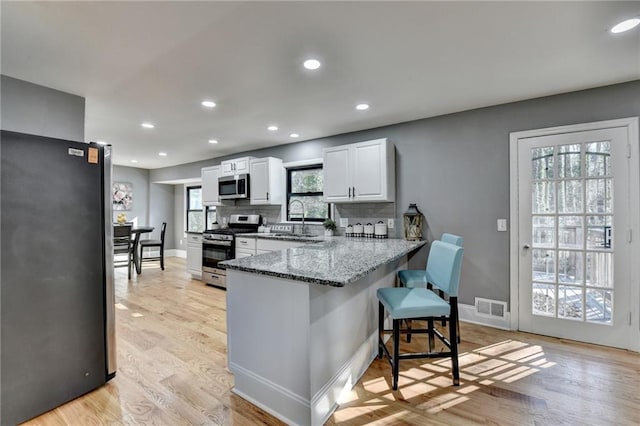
<point>122,196</point>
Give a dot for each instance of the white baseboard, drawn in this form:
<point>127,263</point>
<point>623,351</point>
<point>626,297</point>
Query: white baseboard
<point>468,314</point>
<point>167,253</point>
<point>293,409</point>
<point>176,253</point>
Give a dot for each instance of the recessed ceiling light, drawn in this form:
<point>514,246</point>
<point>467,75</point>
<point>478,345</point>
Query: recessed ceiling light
<point>101,142</point>
<point>625,25</point>
<point>162,154</point>
<point>148,125</point>
<point>312,64</point>
<point>134,161</point>
<point>362,107</point>
<point>213,141</point>
<point>272,128</point>
<point>294,135</point>
<point>208,104</point>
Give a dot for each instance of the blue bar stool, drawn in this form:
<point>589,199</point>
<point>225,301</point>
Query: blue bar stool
<point>418,277</point>
<point>403,303</point>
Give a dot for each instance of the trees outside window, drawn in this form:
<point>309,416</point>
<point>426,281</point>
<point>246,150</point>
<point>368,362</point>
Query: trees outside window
<point>306,185</point>
<point>195,215</point>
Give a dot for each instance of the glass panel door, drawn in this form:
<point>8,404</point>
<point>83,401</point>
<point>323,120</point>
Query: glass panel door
<point>574,220</point>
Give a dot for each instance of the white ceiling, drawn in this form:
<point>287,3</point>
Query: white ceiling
<point>156,61</point>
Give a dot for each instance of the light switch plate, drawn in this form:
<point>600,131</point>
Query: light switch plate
<point>502,225</point>
<point>390,223</point>
<point>344,222</point>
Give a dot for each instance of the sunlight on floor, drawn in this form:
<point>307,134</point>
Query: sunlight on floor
<point>430,383</point>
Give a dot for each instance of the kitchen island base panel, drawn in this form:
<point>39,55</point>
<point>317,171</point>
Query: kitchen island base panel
<point>296,347</point>
<point>269,396</point>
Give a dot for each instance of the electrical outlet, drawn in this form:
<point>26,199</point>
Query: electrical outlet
<point>344,222</point>
<point>502,225</point>
<point>180,242</point>
<point>390,223</point>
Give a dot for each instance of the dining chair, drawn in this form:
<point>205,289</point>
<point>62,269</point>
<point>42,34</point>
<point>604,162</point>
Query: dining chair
<point>122,245</point>
<point>418,278</point>
<point>402,303</point>
<point>153,244</point>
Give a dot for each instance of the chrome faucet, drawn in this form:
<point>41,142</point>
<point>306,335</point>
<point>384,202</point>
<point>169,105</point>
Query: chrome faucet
<point>301,205</point>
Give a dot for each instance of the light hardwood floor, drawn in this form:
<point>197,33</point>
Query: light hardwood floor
<point>172,359</point>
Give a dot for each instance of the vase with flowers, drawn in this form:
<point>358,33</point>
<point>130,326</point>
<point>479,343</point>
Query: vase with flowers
<point>121,219</point>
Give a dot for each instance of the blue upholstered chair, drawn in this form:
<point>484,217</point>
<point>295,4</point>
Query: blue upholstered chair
<point>403,303</point>
<point>418,277</point>
<point>456,240</point>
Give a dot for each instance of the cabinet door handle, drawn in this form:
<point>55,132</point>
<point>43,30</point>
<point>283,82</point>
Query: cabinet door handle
<point>354,192</point>
<point>267,196</point>
<point>349,192</point>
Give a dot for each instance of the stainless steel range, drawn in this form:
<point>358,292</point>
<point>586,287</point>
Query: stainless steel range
<point>219,245</point>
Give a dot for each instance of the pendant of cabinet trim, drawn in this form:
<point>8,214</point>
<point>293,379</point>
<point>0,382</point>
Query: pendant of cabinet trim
<point>360,172</point>
<point>267,181</point>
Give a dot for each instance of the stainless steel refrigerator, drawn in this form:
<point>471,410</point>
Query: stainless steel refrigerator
<point>56,273</point>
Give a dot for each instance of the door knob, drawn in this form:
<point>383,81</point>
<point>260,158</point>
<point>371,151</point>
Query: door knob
<point>526,246</point>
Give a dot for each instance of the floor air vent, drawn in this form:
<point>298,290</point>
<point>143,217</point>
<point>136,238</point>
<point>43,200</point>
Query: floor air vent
<point>491,308</point>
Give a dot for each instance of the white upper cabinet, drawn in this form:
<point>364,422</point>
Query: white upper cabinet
<point>336,169</point>
<point>210,196</point>
<point>267,181</point>
<point>235,167</point>
<point>360,172</point>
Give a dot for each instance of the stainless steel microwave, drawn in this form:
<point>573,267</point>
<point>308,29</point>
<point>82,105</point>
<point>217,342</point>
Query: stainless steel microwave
<point>233,187</point>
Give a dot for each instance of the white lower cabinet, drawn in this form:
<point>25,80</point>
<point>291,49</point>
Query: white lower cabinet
<point>244,253</point>
<point>274,245</point>
<point>246,243</point>
<point>194,255</point>
<point>248,246</point>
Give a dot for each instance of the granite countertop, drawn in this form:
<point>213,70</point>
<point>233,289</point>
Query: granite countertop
<point>285,237</point>
<point>336,261</point>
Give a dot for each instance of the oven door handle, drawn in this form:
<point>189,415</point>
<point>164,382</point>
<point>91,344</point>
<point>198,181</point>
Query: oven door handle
<point>217,243</point>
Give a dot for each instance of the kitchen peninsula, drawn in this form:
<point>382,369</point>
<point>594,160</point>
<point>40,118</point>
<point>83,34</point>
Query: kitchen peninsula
<point>302,322</point>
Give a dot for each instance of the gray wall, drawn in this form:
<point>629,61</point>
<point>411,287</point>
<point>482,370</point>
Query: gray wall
<point>161,209</point>
<point>456,168</point>
<point>152,203</point>
<point>38,110</point>
<point>139,178</point>
<point>178,217</point>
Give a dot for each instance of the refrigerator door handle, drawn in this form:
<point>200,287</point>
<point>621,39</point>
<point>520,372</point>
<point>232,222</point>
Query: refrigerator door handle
<point>110,296</point>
